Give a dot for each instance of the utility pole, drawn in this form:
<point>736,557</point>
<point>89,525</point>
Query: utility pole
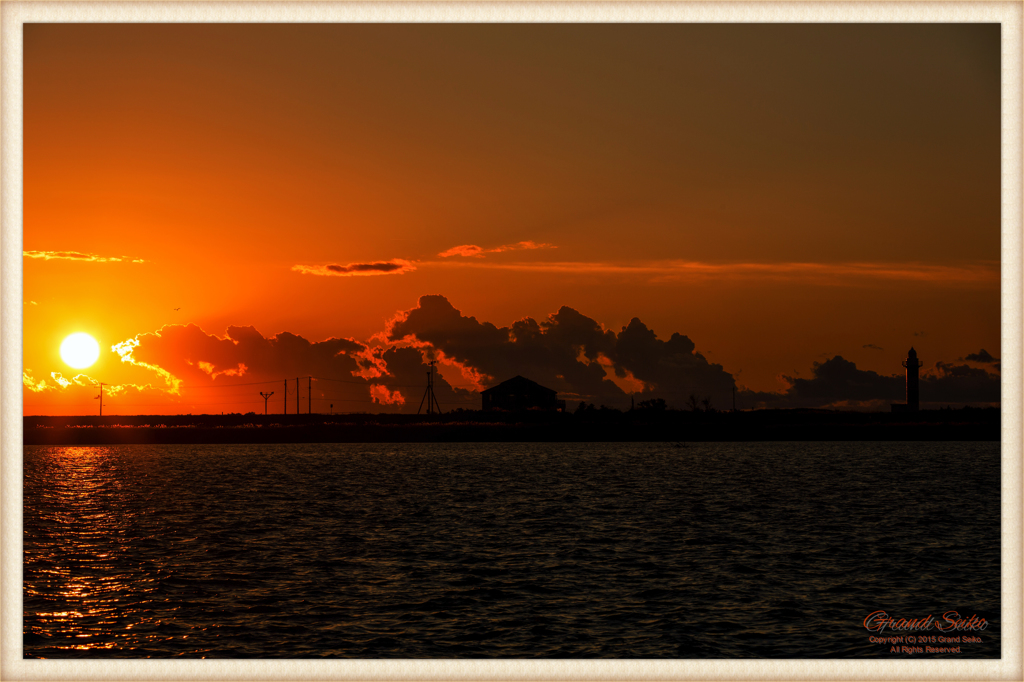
<point>100,396</point>
<point>309,397</point>
<point>429,396</point>
<point>266,397</point>
<point>734,397</point>
<point>286,396</point>
<point>297,411</point>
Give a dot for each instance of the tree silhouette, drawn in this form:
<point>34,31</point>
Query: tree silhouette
<point>653,405</point>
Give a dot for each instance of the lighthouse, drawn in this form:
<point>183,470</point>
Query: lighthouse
<point>912,364</point>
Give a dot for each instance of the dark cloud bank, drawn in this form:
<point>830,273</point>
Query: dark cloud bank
<point>984,358</point>
<point>838,383</point>
<point>568,351</point>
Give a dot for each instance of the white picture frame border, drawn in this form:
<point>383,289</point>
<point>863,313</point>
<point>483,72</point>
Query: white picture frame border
<point>13,14</point>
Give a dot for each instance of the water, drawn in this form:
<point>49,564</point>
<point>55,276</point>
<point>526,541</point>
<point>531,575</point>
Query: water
<point>712,550</point>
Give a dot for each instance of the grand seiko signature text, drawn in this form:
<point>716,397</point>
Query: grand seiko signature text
<point>951,621</point>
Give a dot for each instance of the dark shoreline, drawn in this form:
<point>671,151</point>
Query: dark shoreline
<point>599,426</point>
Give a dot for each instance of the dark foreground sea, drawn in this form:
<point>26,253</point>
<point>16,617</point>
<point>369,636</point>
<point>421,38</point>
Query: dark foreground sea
<point>653,550</point>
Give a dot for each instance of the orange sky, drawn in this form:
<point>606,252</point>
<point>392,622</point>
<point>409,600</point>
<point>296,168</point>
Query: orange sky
<point>778,194</point>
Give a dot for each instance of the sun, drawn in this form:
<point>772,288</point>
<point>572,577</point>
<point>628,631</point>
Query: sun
<point>80,350</point>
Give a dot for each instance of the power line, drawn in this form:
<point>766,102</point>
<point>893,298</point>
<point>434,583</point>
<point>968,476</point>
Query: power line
<point>254,383</point>
<point>367,382</point>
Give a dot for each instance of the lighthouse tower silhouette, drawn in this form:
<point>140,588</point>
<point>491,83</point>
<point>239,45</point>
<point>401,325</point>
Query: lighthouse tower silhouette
<point>912,364</point>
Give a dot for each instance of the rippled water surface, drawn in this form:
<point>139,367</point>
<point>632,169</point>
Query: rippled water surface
<point>519,550</point>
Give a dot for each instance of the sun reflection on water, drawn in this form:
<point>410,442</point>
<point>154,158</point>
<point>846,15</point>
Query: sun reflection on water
<point>86,557</point>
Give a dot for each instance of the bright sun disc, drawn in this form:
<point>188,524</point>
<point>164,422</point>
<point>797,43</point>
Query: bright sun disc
<point>79,350</point>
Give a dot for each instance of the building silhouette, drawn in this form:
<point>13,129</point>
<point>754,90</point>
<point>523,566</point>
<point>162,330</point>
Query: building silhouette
<point>913,403</point>
<point>519,393</point>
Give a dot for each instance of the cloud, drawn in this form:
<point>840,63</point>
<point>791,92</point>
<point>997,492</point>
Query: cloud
<point>228,372</point>
<point>395,266</point>
<point>568,351</point>
<point>474,251</point>
<point>464,250</point>
<point>126,350</point>
<point>671,369</point>
<point>78,256</point>
<point>29,382</point>
<point>381,395</point>
<point>821,273</point>
<point>214,373</point>
<point>837,383</point>
<point>79,381</point>
<point>501,353</point>
<point>185,354</point>
<point>982,356</point>
<point>871,346</point>
<point>406,378</point>
<point>948,383</point>
<point>838,379</point>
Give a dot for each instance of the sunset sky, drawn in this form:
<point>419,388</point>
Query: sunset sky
<point>605,209</point>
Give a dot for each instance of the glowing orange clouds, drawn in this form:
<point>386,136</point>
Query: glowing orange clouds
<point>61,384</point>
<point>31,384</point>
<point>395,266</point>
<point>474,251</point>
<point>75,255</point>
<point>829,273</point>
<point>210,369</point>
<point>125,349</point>
<point>382,396</point>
